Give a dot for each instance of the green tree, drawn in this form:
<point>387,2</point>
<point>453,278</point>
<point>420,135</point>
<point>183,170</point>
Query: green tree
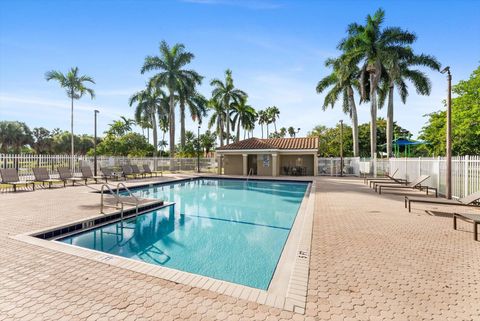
<point>399,70</point>
<point>465,121</point>
<point>244,117</point>
<point>371,45</point>
<point>75,87</point>
<point>13,136</point>
<point>196,103</point>
<point>171,63</point>
<point>226,93</point>
<point>207,141</point>
<point>273,115</point>
<point>150,104</point>
<point>217,118</point>
<point>263,119</point>
<point>291,131</point>
<point>42,140</point>
<point>342,81</point>
<point>131,144</point>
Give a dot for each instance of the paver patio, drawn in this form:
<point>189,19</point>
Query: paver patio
<point>370,260</point>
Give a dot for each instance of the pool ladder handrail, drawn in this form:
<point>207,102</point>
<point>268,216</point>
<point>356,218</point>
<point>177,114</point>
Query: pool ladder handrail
<point>250,172</point>
<point>118,199</point>
<point>137,201</point>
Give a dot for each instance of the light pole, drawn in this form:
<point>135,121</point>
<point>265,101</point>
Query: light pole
<point>341,147</point>
<point>198,148</point>
<point>449,132</point>
<point>95,112</point>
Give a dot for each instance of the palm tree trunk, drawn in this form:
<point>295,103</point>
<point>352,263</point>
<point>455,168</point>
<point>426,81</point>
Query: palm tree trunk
<point>373,116</point>
<point>172,127</point>
<point>238,131</point>
<point>182,124</point>
<point>267,131</point>
<point>154,133</point>
<point>220,127</point>
<point>390,121</point>
<point>354,116</point>
<point>275,125</point>
<point>71,132</point>
<point>262,130</point>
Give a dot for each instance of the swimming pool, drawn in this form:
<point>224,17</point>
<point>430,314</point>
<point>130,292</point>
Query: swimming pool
<point>230,230</point>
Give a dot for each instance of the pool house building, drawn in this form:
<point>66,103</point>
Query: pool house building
<point>269,157</point>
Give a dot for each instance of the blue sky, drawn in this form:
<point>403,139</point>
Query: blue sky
<point>276,50</point>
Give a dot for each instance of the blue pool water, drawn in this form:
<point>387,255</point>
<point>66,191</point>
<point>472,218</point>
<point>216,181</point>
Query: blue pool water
<point>230,230</point>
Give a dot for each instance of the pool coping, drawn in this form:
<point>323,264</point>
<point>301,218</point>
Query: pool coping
<point>296,293</point>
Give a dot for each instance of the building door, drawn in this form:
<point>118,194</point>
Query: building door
<point>252,164</point>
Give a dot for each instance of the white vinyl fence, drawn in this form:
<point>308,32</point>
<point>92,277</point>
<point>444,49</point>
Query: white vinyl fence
<point>465,170</point>
<point>25,163</point>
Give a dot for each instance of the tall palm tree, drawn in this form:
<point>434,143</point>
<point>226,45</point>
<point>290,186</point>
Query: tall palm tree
<point>263,119</point>
<point>217,118</point>
<point>342,82</point>
<point>243,116</point>
<point>371,45</point>
<point>197,106</point>
<point>163,125</point>
<point>226,93</point>
<point>150,103</point>
<point>398,71</point>
<point>291,132</point>
<point>75,87</point>
<point>171,63</point>
<point>274,114</point>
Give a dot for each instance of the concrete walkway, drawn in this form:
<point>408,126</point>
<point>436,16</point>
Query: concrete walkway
<point>370,260</point>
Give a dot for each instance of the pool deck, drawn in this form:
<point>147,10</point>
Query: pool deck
<point>370,260</point>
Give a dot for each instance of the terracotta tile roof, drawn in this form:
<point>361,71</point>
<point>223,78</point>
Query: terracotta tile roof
<point>273,143</point>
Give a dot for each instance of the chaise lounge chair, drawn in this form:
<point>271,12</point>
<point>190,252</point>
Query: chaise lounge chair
<point>128,171</point>
<point>10,177</point>
<point>137,171</point>
<point>42,176</point>
<point>389,179</point>
<point>386,177</point>
<point>66,175</point>
<point>147,170</point>
<point>109,173</point>
<point>87,174</point>
<point>464,201</point>
<point>472,218</point>
<point>415,184</point>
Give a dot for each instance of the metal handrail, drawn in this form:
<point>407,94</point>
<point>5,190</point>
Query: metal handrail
<point>117,198</point>
<point>137,201</point>
<point>250,172</point>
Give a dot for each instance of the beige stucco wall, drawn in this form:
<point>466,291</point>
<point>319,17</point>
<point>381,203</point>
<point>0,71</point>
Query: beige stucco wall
<point>233,165</point>
<point>297,160</point>
<point>261,170</point>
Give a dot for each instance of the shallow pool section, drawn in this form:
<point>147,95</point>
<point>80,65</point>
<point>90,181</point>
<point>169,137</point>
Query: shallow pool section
<point>230,230</point>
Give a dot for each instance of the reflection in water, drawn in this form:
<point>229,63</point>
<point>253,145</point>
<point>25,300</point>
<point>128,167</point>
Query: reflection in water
<point>223,229</point>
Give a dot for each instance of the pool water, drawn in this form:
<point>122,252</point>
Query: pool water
<point>230,230</point>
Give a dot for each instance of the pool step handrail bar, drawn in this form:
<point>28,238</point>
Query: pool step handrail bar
<point>250,172</point>
<point>117,198</point>
<point>137,201</point>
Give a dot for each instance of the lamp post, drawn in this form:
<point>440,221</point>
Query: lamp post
<point>95,112</point>
<point>449,132</point>
<point>198,148</point>
<point>341,147</point>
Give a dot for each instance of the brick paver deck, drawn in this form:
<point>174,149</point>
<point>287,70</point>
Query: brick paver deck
<point>370,260</point>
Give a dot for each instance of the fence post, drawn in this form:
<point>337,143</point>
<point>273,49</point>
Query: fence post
<point>466,176</point>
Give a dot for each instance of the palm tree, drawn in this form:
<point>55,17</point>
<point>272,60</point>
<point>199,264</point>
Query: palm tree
<point>75,88</point>
<point>274,114</point>
<point>244,116</point>
<point>398,71</point>
<point>217,119</point>
<point>342,81</point>
<point>163,125</point>
<point>291,132</point>
<point>149,104</point>
<point>172,75</point>
<point>263,119</point>
<point>197,106</point>
<point>371,46</point>
<point>226,93</point>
